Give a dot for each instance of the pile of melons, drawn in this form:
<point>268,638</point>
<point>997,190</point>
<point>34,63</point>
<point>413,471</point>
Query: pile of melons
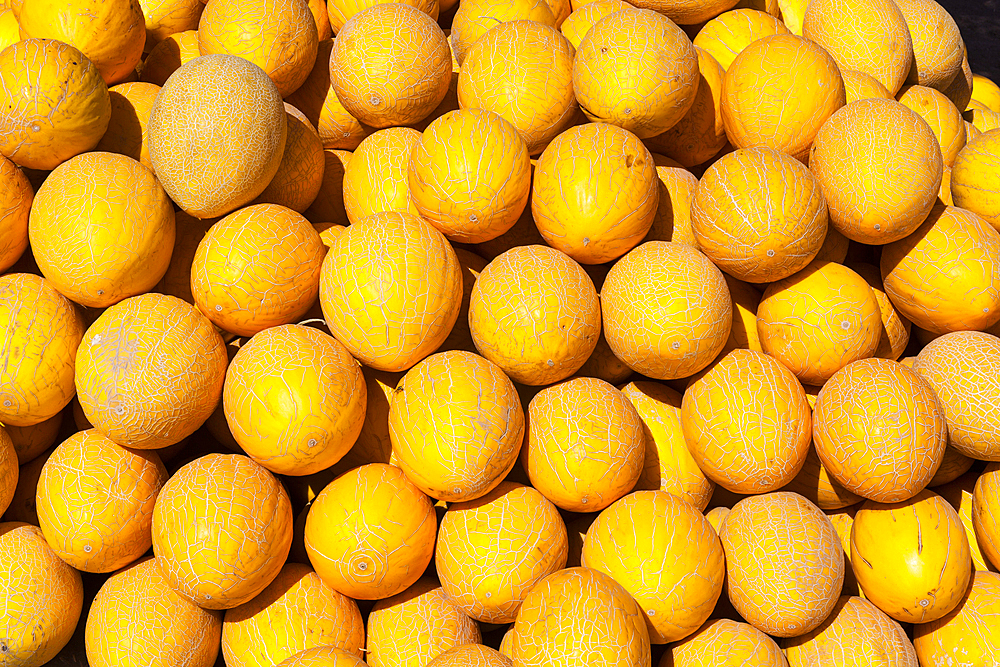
<point>497,333</point>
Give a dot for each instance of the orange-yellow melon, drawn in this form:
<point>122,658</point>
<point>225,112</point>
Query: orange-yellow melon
<point>856,634</point>
<point>561,10</point>
<point>672,221</point>
<point>938,48</point>
<point>328,206</point>
<point>30,441</point>
<point>466,195</point>
<point>370,533</point>
<point>975,177</point>
<point>16,195</point>
<point>56,104</point>
<point>687,12</point>
<point>534,312</point>
<point>137,619</point>
<point>95,501</point>
<point>861,86</point>
<point>665,554</point>
<point>238,291</point>
<point>102,228</point>
<point>895,328</point>
<point>911,558</point>
<point>986,514</point>
<point>300,176</point>
<point>9,471</point>
<point>595,192</point>
<point>222,529</point>
<point>983,120</point>
<point>419,293</point>
<point>636,69</point>
<point>963,291</point>
<point>815,342</point>
<point>460,337</point>
<point>960,494</point>
<point>390,65</point>
<point>131,105</point>
<point>456,424</point>
<point>296,611</point>
<point>323,656</point>
<point>759,215</point>
<point>581,20</point>
<point>168,55</point>
<point>835,246</point>
<point>167,384</point>
<point>40,594</point>
<point>725,36</point>
<point>169,17</point>
<point>189,232</point>
<point>376,179</point>
<point>318,101</point>
<point>475,18</point>
<point>986,92</point>
<point>216,134</point>
<point>294,399</point>
<point>746,300</point>
<point>778,92</point>
<point>815,484</point>
<point>579,617</point>
<point>491,551</point>
<point>843,522</point>
<point>667,310</point>
<point>729,421</point>
<point>954,464</point>
<point>10,31</point>
<point>523,72</point>
<point>584,445</point>
<point>862,414</point>
<point>969,634</point>
<point>40,332</point>
<point>110,33</point>
<point>471,655</point>
<point>722,642</point>
<point>867,36</point>
<point>340,11</point>
<point>784,563</point>
<point>279,36</point>
<point>941,115</point>
<point>602,363</point>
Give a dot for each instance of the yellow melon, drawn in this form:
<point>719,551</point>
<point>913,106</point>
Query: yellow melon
<point>40,332</point>
<point>861,86</point>
<point>581,20</point>
<point>460,337</point>
<point>10,31</point>
<point>170,345</point>
<point>523,72</point>
<point>867,36</point>
<point>475,18</point>
<point>376,179</point>
<point>9,471</point>
<point>975,177</point>
<point>986,92</point>
<point>339,11</point>
<point>300,176</point>
<point>784,563</point>
<point>579,617</point>
<point>328,207</point>
<point>911,558</point>
<point>471,655</point>
<point>815,484</point>
<point>584,445</point>
<point>778,92</point>
<point>296,611</point>
<point>469,198</point>
<point>322,656</point>
<point>743,333</point>
<point>983,120</point>
<point>985,506</point>
<point>56,107</point>
<point>16,195</point>
<point>111,33</point>
<point>189,233</point>
<point>941,116</point>
<point>672,221</point>
<point>964,290</point>
<point>595,192</point>
<point>938,48</point>
<point>167,56</point>
<point>722,642</point>
<point>390,65</point>
<point>491,551</point>
<point>725,36</point>
<point>959,91</point>
<point>95,501</point>
<point>602,363</point>
<point>102,229</point>
<point>895,327</point>
<point>960,494</point>
<point>169,17</point>
<point>636,69</point>
<point>968,633</point>
<point>30,441</point>
<point>687,12</point>
<point>131,106</point>
<point>216,134</point>
<point>40,594</point>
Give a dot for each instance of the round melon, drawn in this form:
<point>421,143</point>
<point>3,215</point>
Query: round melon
<point>816,485</point>
<point>16,195</point>
<point>677,186</point>
<point>938,48</point>
<point>9,471</point>
<point>168,56</point>
<point>475,18</point>
<point>895,327</point>
<point>861,86</point>
<point>30,441</point>
<point>941,115</point>
<point>967,633</point>
<point>10,31</point>
<point>376,178</point>
<point>300,176</point>
<point>169,17</point>
<point>985,504</point>
<point>340,11</point>
<point>581,20</point>
<point>323,656</point>
<point>131,106</point>
<point>722,642</point>
<point>986,92</point>
<point>687,12</point>
<point>954,464</point>
<point>975,177</point>
<point>725,36</point>
<point>475,655</point>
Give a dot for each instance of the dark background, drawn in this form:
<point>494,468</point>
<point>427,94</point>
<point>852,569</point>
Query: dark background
<point>979,21</point>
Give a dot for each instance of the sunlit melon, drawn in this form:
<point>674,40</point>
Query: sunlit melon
<point>168,56</point>
<point>861,86</point>
<point>725,36</point>
<point>938,48</point>
<point>376,178</point>
<point>300,176</point>
<point>169,17</point>
<point>475,18</point>
<point>131,106</point>
<point>722,642</point>
<point>969,632</point>
<point>975,177</point>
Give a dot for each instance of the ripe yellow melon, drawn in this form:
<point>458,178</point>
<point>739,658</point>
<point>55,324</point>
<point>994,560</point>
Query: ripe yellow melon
<point>665,554</point>
<point>667,310</point>
<point>340,11</point>
<point>491,551</point>
<point>376,179</point>
<point>985,523</point>
<point>861,86</point>
<point>111,33</point>
<point>131,106</point>
<point>102,228</point>
<point>963,292</point>
<point>460,337</point>
<point>456,424</point>
<point>416,625</point>
<point>222,529</point>
<point>595,192</point>
<point>475,18</point>
<point>189,233</point>
<point>959,91</point>
<point>975,177</point>
<point>602,363</point>
<point>986,92</point>
<point>45,328</point>
<point>300,176</point>
<point>778,92</point>
<point>390,65</point>
<point>9,471</point>
<point>470,175</point>
<point>9,29</point>
<point>728,418</point>
<point>983,120</point>
<point>56,104</point>
<point>815,484</point>
<point>581,20</point>
<point>328,207</point>
<point>169,17</point>
<point>960,494</point>
<point>534,312</point>
<point>294,399</point>
<point>941,116</point>
<point>523,72</point>
<point>746,300</point>
<point>550,626</point>
<point>370,532</point>
<point>938,48</point>
<point>815,342</point>
<point>279,36</point>
<point>167,56</point>
<point>636,69</point>
<point>911,558</point>
<point>217,134</point>
<point>725,36</point>
<point>471,655</point>
<point>687,12</point>
<point>784,563</point>
<point>967,633</point>
<point>323,656</point>
<point>418,298</point>
<point>722,642</point>
<point>895,328</point>
<point>672,221</point>
<point>167,384</point>
<point>296,611</point>
<point>16,195</point>
<point>40,594</point>
<point>867,36</point>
